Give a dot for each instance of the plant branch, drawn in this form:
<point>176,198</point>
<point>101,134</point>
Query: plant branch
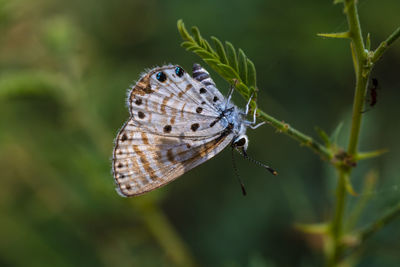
<point>355,29</point>
<point>385,45</point>
<point>337,222</point>
<point>361,73</point>
<point>378,224</point>
<point>297,135</point>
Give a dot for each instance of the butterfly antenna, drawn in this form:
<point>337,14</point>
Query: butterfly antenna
<point>237,174</point>
<point>244,154</point>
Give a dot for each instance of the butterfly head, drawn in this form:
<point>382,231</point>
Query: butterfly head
<point>241,142</point>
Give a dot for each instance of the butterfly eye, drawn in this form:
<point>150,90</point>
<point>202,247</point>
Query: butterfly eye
<point>241,141</point>
<point>161,76</point>
<point>179,71</point>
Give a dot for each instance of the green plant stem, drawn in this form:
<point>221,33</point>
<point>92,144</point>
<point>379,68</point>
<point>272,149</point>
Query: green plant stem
<point>355,30</point>
<point>378,224</point>
<point>297,135</point>
<point>358,104</point>
<point>385,45</point>
<point>362,74</point>
<point>337,221</point>
<point>362,71</point>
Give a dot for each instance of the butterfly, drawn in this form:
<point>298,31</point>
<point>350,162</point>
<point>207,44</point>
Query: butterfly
<point>176,123</point>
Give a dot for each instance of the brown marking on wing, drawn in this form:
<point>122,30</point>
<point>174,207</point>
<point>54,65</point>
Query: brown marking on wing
<point>145,138</point>
<point>170,156</point>
<point>137,170</point>
<point>145,163</point>
<point>166,140</point>
<point>181,93</point>
<point>182,111</point>
<point>206,148</point>
<point>164,103</point>
<point>142,87</point>
<point>172,120</point>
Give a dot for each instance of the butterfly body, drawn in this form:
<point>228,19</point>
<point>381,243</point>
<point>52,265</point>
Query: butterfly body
<point>176,123</point>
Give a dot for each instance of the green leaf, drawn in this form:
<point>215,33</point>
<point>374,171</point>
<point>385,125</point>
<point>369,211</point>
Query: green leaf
<point>243,89</point>
<point>242,66</point>
<point>251,74</point>
<point>370,154</point>
<point>188,45</point>
<point>196,35</point>
<point>335,133</point>
<point>220,50</point>
<point>203,53</point>
<point>228,72</point>
<point>193,48</point>
<point>213,63</point>
<point>208,47</point>
<point>368,42</point>
<point>223,60</point>
<point>324,136</point>
<point>340,35</point>
<point>231,55</point>
<point>183,32</point>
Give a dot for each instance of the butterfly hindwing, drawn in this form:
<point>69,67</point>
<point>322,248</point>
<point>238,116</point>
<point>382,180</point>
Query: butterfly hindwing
<point>145,161</point>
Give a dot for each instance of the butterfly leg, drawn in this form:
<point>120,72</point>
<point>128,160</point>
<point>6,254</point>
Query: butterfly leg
<point>248,104</point>
<point>253,124</point>
<point>228,99</point>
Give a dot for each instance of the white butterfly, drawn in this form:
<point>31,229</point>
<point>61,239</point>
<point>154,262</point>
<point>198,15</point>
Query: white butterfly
<point>176,123</point>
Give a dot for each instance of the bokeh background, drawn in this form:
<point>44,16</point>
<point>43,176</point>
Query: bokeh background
<point>65,67</point>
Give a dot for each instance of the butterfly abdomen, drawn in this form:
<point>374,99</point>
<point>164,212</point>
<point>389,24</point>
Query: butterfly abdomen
<point>200,74</point>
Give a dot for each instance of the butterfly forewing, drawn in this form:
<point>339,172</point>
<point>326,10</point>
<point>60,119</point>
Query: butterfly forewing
<point>168,106</point>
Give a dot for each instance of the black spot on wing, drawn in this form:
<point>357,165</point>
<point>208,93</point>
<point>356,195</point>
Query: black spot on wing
<point>167,128</point>
<point>195,126</point>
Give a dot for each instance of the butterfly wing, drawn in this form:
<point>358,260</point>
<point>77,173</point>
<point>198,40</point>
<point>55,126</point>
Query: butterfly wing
<point>172,129</point>
<point>214,96</point>
<point>167,103</point>
<point>143,161</point>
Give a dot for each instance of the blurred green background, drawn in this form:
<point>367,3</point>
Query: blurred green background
<point>65,67</point>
